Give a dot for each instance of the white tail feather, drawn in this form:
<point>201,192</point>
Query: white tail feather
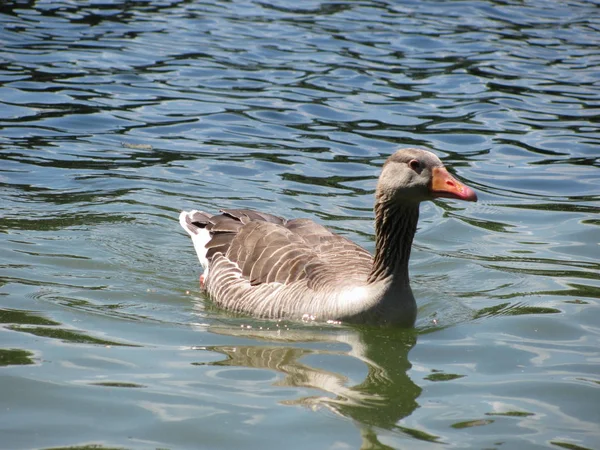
<point>200,237</point>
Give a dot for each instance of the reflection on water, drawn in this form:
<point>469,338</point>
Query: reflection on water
<point>384,396</point>
<point>116,115</point>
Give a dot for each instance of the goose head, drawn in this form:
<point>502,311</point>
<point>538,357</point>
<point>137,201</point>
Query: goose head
<point>413,175</point>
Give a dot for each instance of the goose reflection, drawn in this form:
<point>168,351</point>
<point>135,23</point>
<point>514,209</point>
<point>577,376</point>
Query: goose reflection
<point>381,399</point>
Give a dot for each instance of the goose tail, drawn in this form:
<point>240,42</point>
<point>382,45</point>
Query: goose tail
<point>194,223</point>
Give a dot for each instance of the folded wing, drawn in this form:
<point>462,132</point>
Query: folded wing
<point>270,249</point>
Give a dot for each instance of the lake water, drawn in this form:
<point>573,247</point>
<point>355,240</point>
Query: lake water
<point>115,115</point>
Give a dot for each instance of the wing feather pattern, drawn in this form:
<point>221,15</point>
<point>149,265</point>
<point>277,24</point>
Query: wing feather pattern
<point>269,249</point>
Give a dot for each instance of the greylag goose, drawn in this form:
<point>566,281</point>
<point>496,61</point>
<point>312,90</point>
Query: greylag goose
<point>266,266</point>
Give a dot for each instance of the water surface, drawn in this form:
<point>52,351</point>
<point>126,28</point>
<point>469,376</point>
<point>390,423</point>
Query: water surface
<point>116,115</point>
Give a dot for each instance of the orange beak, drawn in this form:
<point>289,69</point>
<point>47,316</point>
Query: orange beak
<point>445,185</point>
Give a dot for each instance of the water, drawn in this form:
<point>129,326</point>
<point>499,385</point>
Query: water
<point>115,115</point>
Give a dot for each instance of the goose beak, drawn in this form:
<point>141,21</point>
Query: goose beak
<point>445,185</point>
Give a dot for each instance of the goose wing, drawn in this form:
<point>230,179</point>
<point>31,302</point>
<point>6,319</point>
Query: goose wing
<point>270,249</point>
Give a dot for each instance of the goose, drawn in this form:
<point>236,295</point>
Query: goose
<point>265,266</point>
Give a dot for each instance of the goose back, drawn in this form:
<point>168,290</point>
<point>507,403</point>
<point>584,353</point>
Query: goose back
<point>271,249</point>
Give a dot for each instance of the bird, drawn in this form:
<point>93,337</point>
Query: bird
<point>266,266</point>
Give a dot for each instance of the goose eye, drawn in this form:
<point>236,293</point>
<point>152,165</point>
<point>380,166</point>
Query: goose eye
<point>415,165</point>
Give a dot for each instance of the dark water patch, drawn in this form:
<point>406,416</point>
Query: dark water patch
<point>62,221</point>
<point>589,381</point>
<point>563,206</point>
<point>332,184</point>
<point>511,414</point>
<point>86,447</point>
<point>419,434</point>
<point>118,384</point>
<point>46,283</point>
<point>577,302</point>
<point>472,423</point>
<point>15,357</point>
<point>569,446</point>
<point>24,318</point>
<point>487,224</point>
<point>518,309</point>
<point>68,336</point>
<point>574,290</point>
<point>439,376</point>
<point>113,310</point>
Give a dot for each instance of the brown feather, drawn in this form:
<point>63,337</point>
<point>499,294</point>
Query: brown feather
<point>268,248</point>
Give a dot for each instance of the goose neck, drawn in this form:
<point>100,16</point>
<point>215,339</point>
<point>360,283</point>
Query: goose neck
<point>395,227</point>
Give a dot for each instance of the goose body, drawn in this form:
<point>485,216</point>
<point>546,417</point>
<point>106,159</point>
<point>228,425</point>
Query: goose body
<point>266,266</point>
